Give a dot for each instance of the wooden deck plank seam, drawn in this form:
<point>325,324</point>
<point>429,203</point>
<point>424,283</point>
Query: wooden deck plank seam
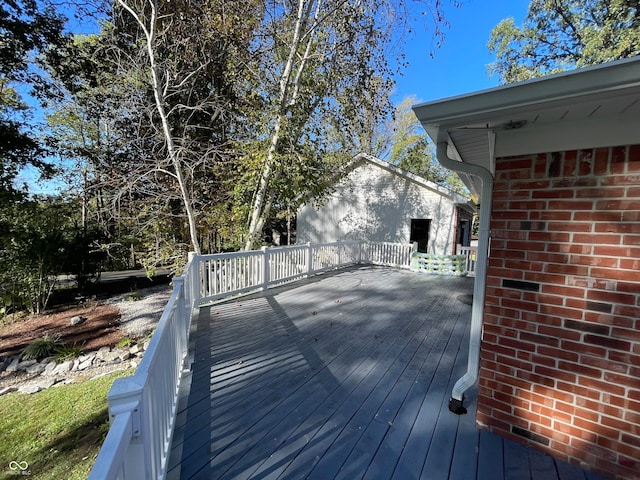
<point>363,347</point>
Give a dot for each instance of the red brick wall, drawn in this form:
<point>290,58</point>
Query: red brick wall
<point>560,361</point>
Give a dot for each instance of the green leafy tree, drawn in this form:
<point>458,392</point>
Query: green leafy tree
<point>27,28</point>
<point>322,64</point>
<point>149,109</point>
<point>190,53</point>
<point>39,240</point>
<point>560,35</point>
<point>406,144</point>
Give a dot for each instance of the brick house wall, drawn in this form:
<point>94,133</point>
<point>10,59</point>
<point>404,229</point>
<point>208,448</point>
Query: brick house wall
<point>560,358</point>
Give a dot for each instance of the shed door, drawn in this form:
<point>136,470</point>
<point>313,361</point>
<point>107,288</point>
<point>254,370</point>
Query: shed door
<point>420,233</point>
<point>464,233</point>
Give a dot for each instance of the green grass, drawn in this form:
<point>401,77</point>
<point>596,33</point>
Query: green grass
<point>58,431</point>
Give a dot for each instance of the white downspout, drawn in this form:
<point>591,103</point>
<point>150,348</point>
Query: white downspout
<point>471,376</point>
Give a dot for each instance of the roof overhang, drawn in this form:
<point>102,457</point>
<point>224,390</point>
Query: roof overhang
<point>585,108</point>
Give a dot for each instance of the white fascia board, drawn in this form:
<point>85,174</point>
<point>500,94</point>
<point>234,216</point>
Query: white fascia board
<point>581,134</point>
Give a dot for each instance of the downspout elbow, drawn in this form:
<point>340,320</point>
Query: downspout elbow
<point>471,376</point>
<point>443,158</point>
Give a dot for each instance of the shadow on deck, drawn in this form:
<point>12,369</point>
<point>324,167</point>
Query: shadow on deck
<point>344,375</point>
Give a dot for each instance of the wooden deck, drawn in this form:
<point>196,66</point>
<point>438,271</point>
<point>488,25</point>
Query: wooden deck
<point>345,375</point>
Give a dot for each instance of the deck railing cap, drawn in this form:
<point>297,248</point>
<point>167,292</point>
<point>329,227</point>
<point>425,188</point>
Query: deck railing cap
<point>124,388</point>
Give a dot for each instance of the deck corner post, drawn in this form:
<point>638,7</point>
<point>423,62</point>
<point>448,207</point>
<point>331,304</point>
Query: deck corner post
<point>265,268</point>
<point>414,250</point>
<point>309,259</point>
<point>195,280</point>
<point>184,306</point>
<point>125,396</point>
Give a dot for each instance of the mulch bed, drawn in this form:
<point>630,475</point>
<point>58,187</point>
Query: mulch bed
<point>100,329</point>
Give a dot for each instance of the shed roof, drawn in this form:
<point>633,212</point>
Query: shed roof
<point>585,108</point>
<point>401,172</point>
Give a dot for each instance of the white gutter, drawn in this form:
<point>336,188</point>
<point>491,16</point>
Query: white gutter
<point>471,376</point>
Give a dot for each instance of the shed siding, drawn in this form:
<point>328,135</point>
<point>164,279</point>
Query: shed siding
<point>560,358</point>
<point>374,204</point>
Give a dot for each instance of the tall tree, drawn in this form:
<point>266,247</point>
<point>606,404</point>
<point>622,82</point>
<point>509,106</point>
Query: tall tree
<point>410,149</point>
<point>27,29</point>
<point>559,35</point>
<point>321,61</point>
<point>191,52</point>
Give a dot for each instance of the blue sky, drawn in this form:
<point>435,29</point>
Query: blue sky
<point>460,65</point>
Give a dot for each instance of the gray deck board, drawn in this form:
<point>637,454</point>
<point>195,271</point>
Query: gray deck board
<point>346,375</point>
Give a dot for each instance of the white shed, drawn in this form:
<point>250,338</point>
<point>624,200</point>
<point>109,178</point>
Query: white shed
<point>378,201</point>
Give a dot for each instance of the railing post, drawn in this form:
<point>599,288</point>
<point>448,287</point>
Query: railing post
<point>309,260</point>
<point>183,309</point>
<point>339,253</point>
<point>414,249</point>
<point>265,268</point>
<point>124,396</point>
<point>194,280</point>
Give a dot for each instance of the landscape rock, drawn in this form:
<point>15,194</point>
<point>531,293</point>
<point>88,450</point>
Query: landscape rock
<point>26,364</point>
<point>110,357</point>
<point>78,319</point>
<point>84,365</point>
<point>61,368</point>
<point>35,369</point>
<point>46,383</point>
<point>49,368</point>
<point>89,357</point>
<point>29,388</point>
<point>125,355</point>
<point>103,354</point>
<point>8,389</point>
<point>13,366</point>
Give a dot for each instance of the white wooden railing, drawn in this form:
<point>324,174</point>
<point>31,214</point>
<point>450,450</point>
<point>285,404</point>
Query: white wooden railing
<point>227,274</point>
<point>471,254</point>
<point>142,408</point>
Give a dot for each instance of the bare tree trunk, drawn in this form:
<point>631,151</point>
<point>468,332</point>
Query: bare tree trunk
<point>158,93</point>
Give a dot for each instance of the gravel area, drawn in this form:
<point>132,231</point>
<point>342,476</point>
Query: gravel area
<point>139,316</point>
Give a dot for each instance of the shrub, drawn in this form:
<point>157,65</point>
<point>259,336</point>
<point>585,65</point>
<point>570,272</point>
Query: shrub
<point>42,348</point>
<point>133,296</point>
<point>125,342</point>
<point>68,352</point>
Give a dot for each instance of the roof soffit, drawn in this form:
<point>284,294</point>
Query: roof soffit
<point>598,104</point>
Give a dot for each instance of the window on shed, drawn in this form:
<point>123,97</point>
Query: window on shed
<point>420,233</point>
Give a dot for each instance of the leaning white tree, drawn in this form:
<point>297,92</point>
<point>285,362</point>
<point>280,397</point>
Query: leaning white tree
<point>146,17</point>
<point>186,57</point>
<point>322,61</point>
